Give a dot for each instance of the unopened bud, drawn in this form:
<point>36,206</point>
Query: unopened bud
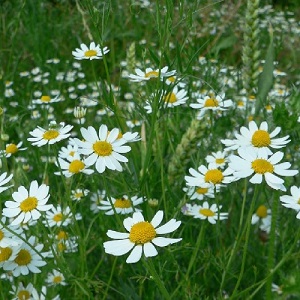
<point>4,137</point>
<point>79,112</point>
<point>153,202</point>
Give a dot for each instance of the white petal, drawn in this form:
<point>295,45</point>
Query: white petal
<point>117,235</point>
<point>135,254</point>
<point>118,247</point>
<point>162,242</point>
<point>149,250</point>
<point>157,218</point>
<point>170,226</point>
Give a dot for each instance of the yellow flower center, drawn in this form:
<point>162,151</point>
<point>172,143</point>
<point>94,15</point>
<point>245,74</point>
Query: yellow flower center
<point>261,138</point>
<point>298,201</point>
<point>141,233</point>
<point>206,212</point>
<point>5,254</point>
<point>241,104</point>
<point>72,153</point>
<point>61,247</point>
<point>11,148</point>
<point>220,161</point>
<point>57,279</point>
<point>262,211</point>
<point>102,148</point>
<point>211,102</point>
<point>76,166</point>
<point>78,195</point>
<point>122,203</point>
<point>58,217</point>
<point>201,191</point>
<point>1,235</point>
<point>262,166</point>
<point>62,235</point>
<point>45,99</point>
<point>170,98</point>
<point>252,98</point>
<point>151,74</point>
<point>171,79</point>
<point>214,176</point>
<point>23,295</point>
<point>23,258</point>
<point>29,204</point>
<point>50,134</point>
<point>90,53</point>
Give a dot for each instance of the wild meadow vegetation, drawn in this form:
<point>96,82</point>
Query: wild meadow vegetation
<point>149,149</point>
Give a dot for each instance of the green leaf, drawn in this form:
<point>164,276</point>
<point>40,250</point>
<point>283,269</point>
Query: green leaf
<point>224,43</point>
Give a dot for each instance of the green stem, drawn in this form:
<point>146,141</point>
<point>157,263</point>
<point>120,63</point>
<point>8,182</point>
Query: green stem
<point>110,278</point>
<point>150,267</point>
<point>271,250</point>
<point>245,250</point>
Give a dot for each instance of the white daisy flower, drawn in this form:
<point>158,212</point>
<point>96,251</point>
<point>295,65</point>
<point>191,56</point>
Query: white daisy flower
<point>4,180</point>
<point>218,158</point>
<point>60,217</point>
<point>11,149</point>
<point>54,134</point>
<point>292,201</point>
<point>23,293</point>
<point>205,211</point>
<point>92,52</point>
<point>9,253</point>
<point>103,149</point>
<point>7,238</point>
<point>199,192</point>
<point>55,278</point>
<point>72,165</point>
<point>257,139</point>
<point>150,73</point>
<point>133,123</point>
<point>215,103</point>
<point>141,237</point>
<point>96,199</point>
<point>123,205</point>
<point>250,162</point>
<point>69,151</point>
<point>27,259</point>
<point>78,194</point>
<point>263,217</point>
<point>27,205</point>
<point>210,174</point>
<point>46,99</point>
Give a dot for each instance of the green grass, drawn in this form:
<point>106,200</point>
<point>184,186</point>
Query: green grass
<point>231,258</point>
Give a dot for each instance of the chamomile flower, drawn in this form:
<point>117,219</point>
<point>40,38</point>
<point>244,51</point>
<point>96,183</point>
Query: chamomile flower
<point>262,216</point>
<point>210,174</point>
<point>261,166</point>
<point>78,194</point>
<point>27,204</point>
<point>218,158</point>
<point>8,254</point>
<point>122,205</point>
<point>257,139</point>
<point>199,192</point>
<point>150,73</point>
<point>292,201</point>
<point>7,238</point>
<point>102,148</point>
<point>11,149</point>
<point>54,134</point>
<point>55,278</point>
<point>92,52</point>
<point>27,259</point>
<point>142,237</point>
<point>23,293</point>
<point>60,217</point>
<point>205,211</point>
<point>69,151</point>
<point>96,199</point>
<point>214,103</point>
<point>4,181</point>
<point>46,99</point>
<point>73,165</point>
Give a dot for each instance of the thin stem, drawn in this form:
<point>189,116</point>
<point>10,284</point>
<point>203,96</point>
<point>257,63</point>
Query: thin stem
<point>110,278</point>
<point>150,267</point>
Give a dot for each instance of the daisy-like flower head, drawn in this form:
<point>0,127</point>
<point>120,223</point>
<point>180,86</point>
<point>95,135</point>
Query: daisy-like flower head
<point>4,180</point>
<point>7,238</point>
<point>141,237</point>
<point>54,134</point>
<point>205,211</point>
<point>55,278</point>
<point>69,151</point>
<point>257,139</point>
<point>292,201</point>
<point>73,165</point>
<point>250,162</point>
<point>78,194</point>
<point>11,149</point>
<point>27,259</point>
<point>261,213</point>
<point>199,192</point>
<point>150,73</point>
<point>122,205</point>
<point>27,205</point>
<point>23,293</point>
<point>103,149</point>
<point>96,199</point>
<point>218,158</point>
<point>60,217</point>
<point>210,174</point>
<point>92,52</point>
<point>215,103</point>
<point>46,99</point>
